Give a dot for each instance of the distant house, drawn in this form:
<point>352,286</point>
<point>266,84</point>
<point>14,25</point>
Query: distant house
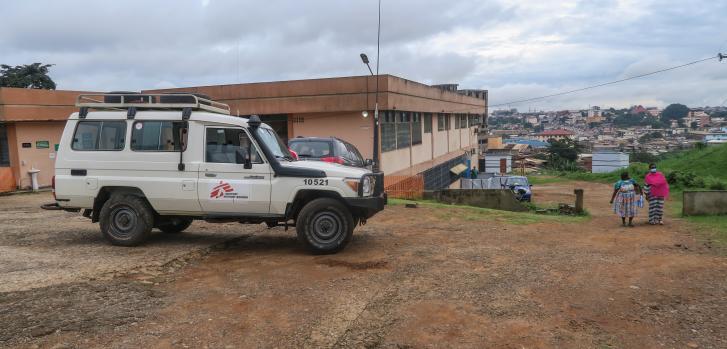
<point>608,160</point>
<point>497,161</point>
<point>637,109</point>
<point>654,112</point>
<point>553,134</point>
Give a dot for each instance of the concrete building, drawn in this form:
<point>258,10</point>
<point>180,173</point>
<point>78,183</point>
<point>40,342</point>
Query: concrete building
<point>421,126</point>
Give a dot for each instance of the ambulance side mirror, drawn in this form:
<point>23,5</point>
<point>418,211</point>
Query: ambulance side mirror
<point>243,157</point>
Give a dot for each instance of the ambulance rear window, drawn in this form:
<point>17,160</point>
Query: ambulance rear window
<point>99,135</point>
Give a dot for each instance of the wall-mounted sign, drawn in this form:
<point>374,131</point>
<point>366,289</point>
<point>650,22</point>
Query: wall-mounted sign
<point>27,145</point>
<point>42,145</point>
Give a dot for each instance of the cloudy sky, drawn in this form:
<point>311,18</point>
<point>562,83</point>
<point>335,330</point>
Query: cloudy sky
<point>514,49</point>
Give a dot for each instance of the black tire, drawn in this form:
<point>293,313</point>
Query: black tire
<point>126,220</point>
<point>174,225</point>
<point>324,226</point>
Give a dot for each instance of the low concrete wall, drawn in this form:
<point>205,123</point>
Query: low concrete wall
<point>705,203</point>
<point>498,199</point>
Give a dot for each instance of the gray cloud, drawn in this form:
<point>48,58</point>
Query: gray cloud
<point>514,49</point>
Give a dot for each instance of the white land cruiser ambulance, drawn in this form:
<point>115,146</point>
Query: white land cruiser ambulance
<point>134,162</point>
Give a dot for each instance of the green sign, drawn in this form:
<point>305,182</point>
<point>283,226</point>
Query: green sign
<point>42,144</point>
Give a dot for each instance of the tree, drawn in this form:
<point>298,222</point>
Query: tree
<point>674,111</point>
<point>566,149</point>
<point>27,76</point>
<point>694,125</point>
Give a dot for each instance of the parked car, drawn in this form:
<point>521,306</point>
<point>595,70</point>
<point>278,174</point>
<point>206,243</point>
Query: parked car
<point>520,186</point>
<point>328,149</point>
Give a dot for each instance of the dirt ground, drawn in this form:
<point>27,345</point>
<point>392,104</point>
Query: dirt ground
<point>424,277</point>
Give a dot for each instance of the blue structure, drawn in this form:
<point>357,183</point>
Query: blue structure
<point>531,142</point>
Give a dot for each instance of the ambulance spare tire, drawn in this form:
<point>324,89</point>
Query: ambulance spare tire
<point>325,226</point>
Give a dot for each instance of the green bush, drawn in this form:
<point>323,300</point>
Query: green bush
<point>718,185</point>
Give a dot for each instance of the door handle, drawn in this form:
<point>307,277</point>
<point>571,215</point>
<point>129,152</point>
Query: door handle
<point>210,175</point>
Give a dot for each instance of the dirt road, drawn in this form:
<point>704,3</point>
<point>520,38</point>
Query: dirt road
<point>425,277</point>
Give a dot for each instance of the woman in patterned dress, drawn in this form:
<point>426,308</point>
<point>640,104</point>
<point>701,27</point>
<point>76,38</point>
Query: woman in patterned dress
<point>658,192</point>
<point>625,200</point>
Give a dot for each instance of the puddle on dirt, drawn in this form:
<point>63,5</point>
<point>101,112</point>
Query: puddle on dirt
<point>354,265</point>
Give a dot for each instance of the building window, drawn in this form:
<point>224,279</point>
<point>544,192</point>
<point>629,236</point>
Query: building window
<point>4,150</point>
<point>158,135</point>
<point>427,122</point>
<point>463,121</point>
<point>416,128</point>
<point>403,134</point>
<point>99,135</point>
<point>457,121</point>
<point>388,132</point>
<point>441,122</point>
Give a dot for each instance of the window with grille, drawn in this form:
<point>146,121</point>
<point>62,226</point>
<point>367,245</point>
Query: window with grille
<point>463,121</point>
<point>4,151</point>
<point>403,134</point>
<point>427,123</point>
<point>416,128</point>
<point>388,131</point>
<point>441,122</point>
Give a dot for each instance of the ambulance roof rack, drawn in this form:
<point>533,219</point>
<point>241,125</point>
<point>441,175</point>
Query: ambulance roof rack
<point>132,101</point>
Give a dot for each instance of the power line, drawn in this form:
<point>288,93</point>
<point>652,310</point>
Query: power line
<point>607,83</point>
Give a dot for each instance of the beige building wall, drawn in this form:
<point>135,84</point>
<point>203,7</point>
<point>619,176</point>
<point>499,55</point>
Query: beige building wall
<point>395,160</point>
<point>441,146</point>
<point>422,152</point>
<point>34,158</point>
<point>349,126</point>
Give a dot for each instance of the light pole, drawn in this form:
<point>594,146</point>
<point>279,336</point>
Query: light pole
<point>375,166</point>
<point>365,60</point>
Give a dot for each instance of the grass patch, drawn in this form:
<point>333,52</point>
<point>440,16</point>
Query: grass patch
<point>545,179</point>
<point>709,227</point>
<point>471,213</point>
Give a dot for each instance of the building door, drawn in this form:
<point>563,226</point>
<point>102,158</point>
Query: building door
<point>227,187</point>
<point>503,165</point>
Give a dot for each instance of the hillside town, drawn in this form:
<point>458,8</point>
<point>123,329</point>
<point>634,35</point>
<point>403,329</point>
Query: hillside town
<point>639,132</point>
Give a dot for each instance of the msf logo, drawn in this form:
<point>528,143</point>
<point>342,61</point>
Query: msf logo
<point>220,189</point>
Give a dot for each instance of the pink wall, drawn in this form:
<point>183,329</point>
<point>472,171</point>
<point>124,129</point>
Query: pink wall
<point>349,126</point>
<point>31,132</point>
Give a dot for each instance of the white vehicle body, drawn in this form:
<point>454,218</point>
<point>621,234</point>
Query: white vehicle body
<point>105,151</point>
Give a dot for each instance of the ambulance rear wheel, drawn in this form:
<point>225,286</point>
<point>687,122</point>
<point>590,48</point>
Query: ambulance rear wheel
<point>126,220</point>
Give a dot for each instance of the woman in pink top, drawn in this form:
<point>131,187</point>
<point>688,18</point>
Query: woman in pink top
<point>658,190</point>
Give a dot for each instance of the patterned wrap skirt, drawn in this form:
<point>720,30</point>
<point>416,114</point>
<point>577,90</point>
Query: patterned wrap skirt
<point>625,204</point>
<point>656,209</point>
